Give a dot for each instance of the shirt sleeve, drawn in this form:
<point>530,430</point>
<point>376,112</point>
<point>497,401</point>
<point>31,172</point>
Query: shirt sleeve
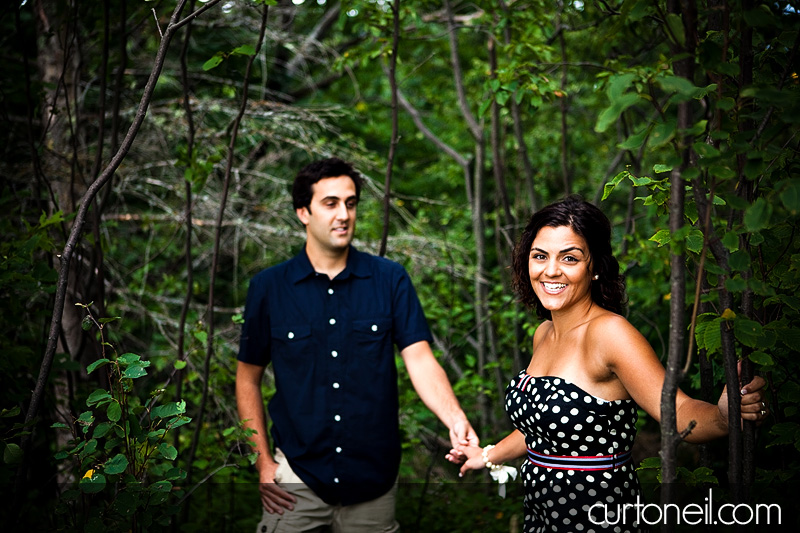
<point>254,345</point>
<point>409,323</point>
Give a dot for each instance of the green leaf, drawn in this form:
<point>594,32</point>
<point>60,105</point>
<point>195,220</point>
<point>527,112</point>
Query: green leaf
<point>618,85</point>
<point>662,237</point>
<point>713,337</point>
<point>12,455</point>
<point>97,396</point>
<point>10,413</point>
<point>663,133</point>
<point>790,196</point>
<point>676,32</point>
<point>167,451</point>
<point>114,411</point>
<point>610,114</point>
<point>757,215</point>
<point>93,484</point>
<point>694,241</point>
<point>761,358</point>
<point>213,62</point>
<point>747,331</point>
<point>659,168</point>
<point>102,429</point>
<point>677,84</point>
<point>201,336</point>
<point>135,371</point>
<point>608,187</point>
<point>245,50</point>
<point>86,418</point>
<point>116,465</point>
<point>129,358</point>
<point>739,261</point>
<point>650,462</point>
<point>731,241</point>
<point>785,433</point>
<point>97,364</point>
<point>168,410</point>
<point>87,323</point>
<point>180,365</point>
<point>736,284</point>
<point>641,181</point>
<point>635,141</point>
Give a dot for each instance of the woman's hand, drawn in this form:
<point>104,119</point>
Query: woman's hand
<point>470,456</point>
<point>753,404</point>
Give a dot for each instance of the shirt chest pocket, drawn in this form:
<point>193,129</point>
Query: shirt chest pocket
<point>372,337</point>
<point>293,341</point>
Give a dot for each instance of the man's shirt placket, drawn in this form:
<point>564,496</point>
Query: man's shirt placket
<point>335,330</point>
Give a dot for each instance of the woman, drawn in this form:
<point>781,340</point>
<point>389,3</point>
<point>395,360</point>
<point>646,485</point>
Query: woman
<point>575,406</point>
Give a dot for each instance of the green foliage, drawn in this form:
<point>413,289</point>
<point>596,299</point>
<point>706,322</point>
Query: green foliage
<point>119,450</point>
<point>690,478</point>
<point>596,92</point>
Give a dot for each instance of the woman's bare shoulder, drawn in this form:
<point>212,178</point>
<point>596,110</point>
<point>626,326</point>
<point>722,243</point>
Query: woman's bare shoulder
<point>611,326</point>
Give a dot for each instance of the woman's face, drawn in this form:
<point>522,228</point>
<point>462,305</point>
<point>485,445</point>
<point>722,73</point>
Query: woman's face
<point>560,268</point>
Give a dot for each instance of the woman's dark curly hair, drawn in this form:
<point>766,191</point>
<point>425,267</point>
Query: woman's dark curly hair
<point>608,291</point>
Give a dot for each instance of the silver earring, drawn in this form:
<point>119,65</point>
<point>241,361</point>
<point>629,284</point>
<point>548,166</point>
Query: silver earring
<point>596,277</point>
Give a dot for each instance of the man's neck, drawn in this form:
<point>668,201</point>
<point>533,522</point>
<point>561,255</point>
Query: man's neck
<point>328,262</point>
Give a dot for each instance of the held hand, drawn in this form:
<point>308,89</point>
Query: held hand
<point>273,497</point>
<point>472,455</point>
<point>461,434</point>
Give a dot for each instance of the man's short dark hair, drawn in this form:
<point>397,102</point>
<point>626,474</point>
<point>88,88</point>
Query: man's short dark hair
<point>313,172</point>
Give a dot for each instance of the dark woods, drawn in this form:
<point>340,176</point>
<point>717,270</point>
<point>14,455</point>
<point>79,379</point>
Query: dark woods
<point>147,152</point>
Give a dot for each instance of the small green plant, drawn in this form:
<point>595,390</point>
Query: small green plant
<point>127,478</point>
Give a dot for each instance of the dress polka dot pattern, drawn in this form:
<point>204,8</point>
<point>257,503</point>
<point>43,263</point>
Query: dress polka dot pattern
<point>582,439</point>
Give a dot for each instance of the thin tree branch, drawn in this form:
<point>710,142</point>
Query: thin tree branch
<point>387,186</point>
<point>218,238</point>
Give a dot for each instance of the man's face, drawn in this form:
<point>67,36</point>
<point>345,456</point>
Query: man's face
<point>330,219</point>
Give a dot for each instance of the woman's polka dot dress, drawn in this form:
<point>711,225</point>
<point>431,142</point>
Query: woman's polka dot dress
<point>575,444</point>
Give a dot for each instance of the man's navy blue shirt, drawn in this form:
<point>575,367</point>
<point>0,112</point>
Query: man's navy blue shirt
<point>331,344</point>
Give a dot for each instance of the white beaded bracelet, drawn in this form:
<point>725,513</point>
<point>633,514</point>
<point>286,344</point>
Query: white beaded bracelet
<point>499,473</point>
<point>485,456</point>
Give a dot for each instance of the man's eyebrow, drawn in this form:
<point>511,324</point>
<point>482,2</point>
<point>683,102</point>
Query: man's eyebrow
<point>332,197</point>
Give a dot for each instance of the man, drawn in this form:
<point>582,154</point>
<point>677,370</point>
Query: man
<point>327,320</point>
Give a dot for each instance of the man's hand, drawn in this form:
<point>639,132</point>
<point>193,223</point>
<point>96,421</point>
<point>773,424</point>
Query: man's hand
<point>273,497</point>
<point>461,435</point>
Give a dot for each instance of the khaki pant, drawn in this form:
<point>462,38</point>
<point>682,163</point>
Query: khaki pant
<point>311,514</point>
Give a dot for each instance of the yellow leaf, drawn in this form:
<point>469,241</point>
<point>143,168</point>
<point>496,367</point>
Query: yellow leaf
<point>727,314</point>
<point>89,473</point>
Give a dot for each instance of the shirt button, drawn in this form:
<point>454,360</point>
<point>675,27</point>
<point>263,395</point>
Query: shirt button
<point>338,449</point>
<point>335,385</point>
<point>330,291</point>
<point>337,418</point>
<point>291,335</point>
<point>374,327</point>
<point>332,321</point>
<point>335,353</point>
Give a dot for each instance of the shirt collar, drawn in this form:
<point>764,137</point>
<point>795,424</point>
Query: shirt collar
<point>356,266</point>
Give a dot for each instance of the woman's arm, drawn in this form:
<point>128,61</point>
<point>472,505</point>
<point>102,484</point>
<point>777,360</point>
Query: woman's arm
<point>635,364</point>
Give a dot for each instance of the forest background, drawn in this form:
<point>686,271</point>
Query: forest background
<point>147,152</point>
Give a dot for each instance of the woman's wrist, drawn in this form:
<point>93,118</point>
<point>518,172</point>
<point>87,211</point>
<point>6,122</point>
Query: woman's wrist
<point>485,457</point>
